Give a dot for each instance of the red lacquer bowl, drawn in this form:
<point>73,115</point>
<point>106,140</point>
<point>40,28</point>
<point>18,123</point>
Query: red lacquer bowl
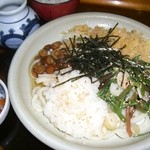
<point>50,11</point>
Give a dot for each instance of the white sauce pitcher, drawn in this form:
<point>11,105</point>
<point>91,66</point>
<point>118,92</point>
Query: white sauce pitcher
<point>17,21</point>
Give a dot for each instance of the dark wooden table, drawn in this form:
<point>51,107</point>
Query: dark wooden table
<point>13,135</point>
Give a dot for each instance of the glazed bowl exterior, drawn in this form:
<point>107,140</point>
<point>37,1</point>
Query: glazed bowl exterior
<point>49,11</point>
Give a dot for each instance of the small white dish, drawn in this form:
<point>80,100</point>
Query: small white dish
<point>4,95</point>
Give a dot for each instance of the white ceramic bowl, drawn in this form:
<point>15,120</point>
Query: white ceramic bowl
<point>19,82</point>
<point>4,94</point>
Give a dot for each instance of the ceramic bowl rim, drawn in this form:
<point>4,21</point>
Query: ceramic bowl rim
<point>52,4</point>
<point>14,11</point>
